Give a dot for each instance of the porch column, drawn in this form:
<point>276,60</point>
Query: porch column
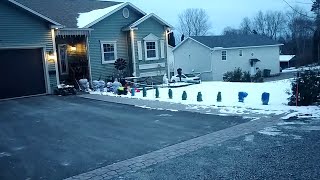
<point>53,36</point>
<point>133,53</point>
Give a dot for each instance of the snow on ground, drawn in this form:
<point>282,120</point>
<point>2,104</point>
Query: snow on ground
<point>230,105</point>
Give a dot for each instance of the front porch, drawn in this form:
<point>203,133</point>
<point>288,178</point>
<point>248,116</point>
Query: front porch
<point>72,56</point>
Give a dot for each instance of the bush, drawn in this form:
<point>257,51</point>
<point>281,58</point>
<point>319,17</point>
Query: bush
<point>305,89</point>
<point>258,77</point>
<point>237,76</point>
<point>219,98</point>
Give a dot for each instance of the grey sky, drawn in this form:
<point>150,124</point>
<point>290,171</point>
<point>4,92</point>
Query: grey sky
<point>222,12</point>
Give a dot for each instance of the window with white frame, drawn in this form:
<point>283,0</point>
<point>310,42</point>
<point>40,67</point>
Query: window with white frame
<point>240,53</point>
<point>151,50</point>
<point>223,55</point>
<point>109,51</point>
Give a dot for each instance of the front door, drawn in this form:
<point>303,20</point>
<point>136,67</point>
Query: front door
<point>63,59</point>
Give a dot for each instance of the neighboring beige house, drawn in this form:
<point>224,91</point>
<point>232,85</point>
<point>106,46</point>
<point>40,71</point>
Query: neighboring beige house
<point>212,56</point>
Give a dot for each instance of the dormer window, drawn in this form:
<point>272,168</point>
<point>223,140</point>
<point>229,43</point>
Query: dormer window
<point>151,47</point>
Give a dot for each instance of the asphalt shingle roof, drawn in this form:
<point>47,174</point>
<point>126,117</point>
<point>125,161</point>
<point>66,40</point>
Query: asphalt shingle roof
<point>229,41</point>
<point>65,12</point>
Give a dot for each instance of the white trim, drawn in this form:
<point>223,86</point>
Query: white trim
<point>156,49</point>
<point>162,54</point>
<point>140,50</point>
<point>114,11</point>
<point>192,40</point>
<point>133,53</point>
<point>103,61</point>
<point>46,70</point>
<point>152,66</point>
<point>34,12</point>
<point>141,20</point>
<point>151,74</point>
<point>53,37</point>
<point>168,49</point>
<point>89,60</point>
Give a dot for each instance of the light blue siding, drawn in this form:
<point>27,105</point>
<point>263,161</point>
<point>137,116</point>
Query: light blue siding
<point>144,29</point>
<point>20,28</point>
<point>110,29</point>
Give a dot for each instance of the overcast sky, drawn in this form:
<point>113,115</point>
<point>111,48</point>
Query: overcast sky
<point>222,12</point>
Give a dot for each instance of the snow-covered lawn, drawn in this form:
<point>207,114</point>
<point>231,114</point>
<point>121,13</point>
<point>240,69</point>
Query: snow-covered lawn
<point>277,104</point>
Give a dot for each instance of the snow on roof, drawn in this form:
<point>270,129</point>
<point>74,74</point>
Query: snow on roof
<point>86,18</point>
<point>286,58</point>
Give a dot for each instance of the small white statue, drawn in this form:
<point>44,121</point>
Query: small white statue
<point>165,79</point>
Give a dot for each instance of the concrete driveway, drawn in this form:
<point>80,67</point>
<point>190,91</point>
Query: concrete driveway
<point>52,137</point>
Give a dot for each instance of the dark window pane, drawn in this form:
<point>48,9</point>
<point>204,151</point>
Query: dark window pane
<point>109,56</point>
<point>151,53</point>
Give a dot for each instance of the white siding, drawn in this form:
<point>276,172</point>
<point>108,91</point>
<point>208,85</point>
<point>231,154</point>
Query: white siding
<point>139,50</point>
<point>193,57</point>
<point>269,57</point>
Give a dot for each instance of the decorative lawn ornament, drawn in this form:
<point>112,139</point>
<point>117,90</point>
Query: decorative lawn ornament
<point>157,93</point>
<point>219,98</point>
<point>144,91</point>
<point>199,97</point>
<point>184,96</point>
<point>265,98</point>
<point>170,93</point>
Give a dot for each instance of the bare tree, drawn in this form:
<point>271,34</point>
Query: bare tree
<point>194,22</point>
<point>246,26</point>
<point>231,31</point>
<point>259,23</point>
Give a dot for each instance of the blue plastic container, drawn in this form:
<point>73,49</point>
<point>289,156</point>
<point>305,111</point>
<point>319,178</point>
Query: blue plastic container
<point>265,98</point>
<point>241,96</point>
<point>133,92</point>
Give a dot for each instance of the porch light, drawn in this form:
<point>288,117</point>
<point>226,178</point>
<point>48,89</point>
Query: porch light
<point>51,56</point>
<point>73,48</point>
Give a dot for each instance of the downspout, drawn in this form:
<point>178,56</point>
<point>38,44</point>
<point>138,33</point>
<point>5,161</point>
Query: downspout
<point>53,36</point>
<point>133,53</point>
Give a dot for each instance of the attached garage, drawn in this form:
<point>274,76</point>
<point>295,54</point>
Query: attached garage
<point>22,73</point>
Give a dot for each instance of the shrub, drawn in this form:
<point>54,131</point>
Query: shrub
<point>258,77</point>
<point>237,76</point>
<point>305,89</point>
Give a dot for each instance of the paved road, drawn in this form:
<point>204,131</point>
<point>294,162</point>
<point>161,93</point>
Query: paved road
<point>289,150</point>
<point>53,137</point>
<point>283,75</point>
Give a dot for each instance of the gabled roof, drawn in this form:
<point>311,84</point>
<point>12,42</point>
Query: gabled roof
<point>234,41</point>
<point>64,12</point>
<point>144,18</point>
<point>100,14</point>
<point>34,12</point>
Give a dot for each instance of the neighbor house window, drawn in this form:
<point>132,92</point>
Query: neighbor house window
<point>240,53</point>
<point>109,52</point>
<point>151,50</point>
<point>224,55</point>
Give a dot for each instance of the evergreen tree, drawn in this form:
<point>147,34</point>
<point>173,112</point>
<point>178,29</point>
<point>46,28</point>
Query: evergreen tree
<point>172,40</point>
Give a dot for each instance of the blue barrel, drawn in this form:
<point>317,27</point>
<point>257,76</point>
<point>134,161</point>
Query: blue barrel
<point>265,98</point>
<point>133,91</point>
<point>242,95</point>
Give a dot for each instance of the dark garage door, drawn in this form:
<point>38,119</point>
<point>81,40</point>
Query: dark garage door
<point>21,73</point>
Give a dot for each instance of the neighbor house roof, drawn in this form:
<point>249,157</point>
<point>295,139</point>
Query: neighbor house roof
<point>234,41</point>
<point>286,58</point>
<point>65,12</point>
